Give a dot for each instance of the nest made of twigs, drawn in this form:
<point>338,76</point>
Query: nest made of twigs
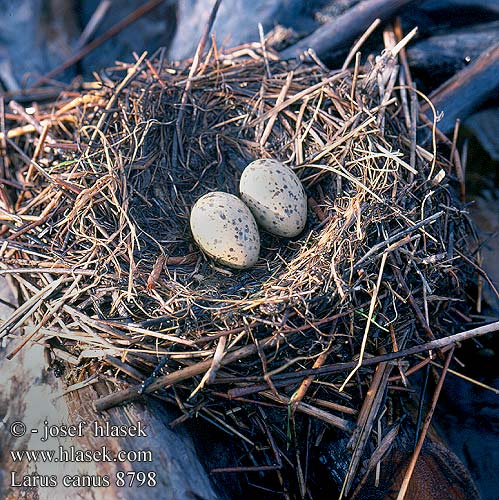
<point>97,233</point>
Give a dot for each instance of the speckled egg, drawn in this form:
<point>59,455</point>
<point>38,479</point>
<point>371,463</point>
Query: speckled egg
<point>275,195</point>
<point>225,229</point>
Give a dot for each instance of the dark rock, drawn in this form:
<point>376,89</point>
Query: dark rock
<point>468,417</point>
<point>237,21</point>
<point>484,126</point>
<point>439,57</point>
<point>151,31</point>
<point>35,36</point>
<point>457,5</point>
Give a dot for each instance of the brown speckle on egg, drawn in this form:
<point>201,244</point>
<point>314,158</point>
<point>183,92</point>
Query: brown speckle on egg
<point>218,222</point>
<point>271,189</point>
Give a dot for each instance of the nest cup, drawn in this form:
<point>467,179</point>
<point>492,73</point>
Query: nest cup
<point>105,213</point>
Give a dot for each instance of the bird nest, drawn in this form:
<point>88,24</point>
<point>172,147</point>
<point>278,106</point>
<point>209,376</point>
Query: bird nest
<point>97,238</point>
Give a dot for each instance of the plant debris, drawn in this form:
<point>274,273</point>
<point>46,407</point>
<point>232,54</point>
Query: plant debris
<point>97,191</point>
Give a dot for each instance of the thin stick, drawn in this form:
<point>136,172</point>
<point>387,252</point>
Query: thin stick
<point>27,309</point>
<point>297,97</point>
<point>285,378</point>
<point>354,85</point>
<point>131,18</point>
<point>457,164</point>
<point>93,23</point>
<point>396,237</point>
<point>308,409</point>
<point>306,383</point>
<point>197,57</point>
<point>454,139</point>
<point>368,325</point>
<point>464,377</point>
<point>273,118</point>
<point>131,74</point>
<point>424,430</point>
<point>360,42</point>
<point>76,387</point>
<point>133,392</point>
<point>370,409</point>
<point>49,270</point>
<point>188,84</point>
<point>264,49</point>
